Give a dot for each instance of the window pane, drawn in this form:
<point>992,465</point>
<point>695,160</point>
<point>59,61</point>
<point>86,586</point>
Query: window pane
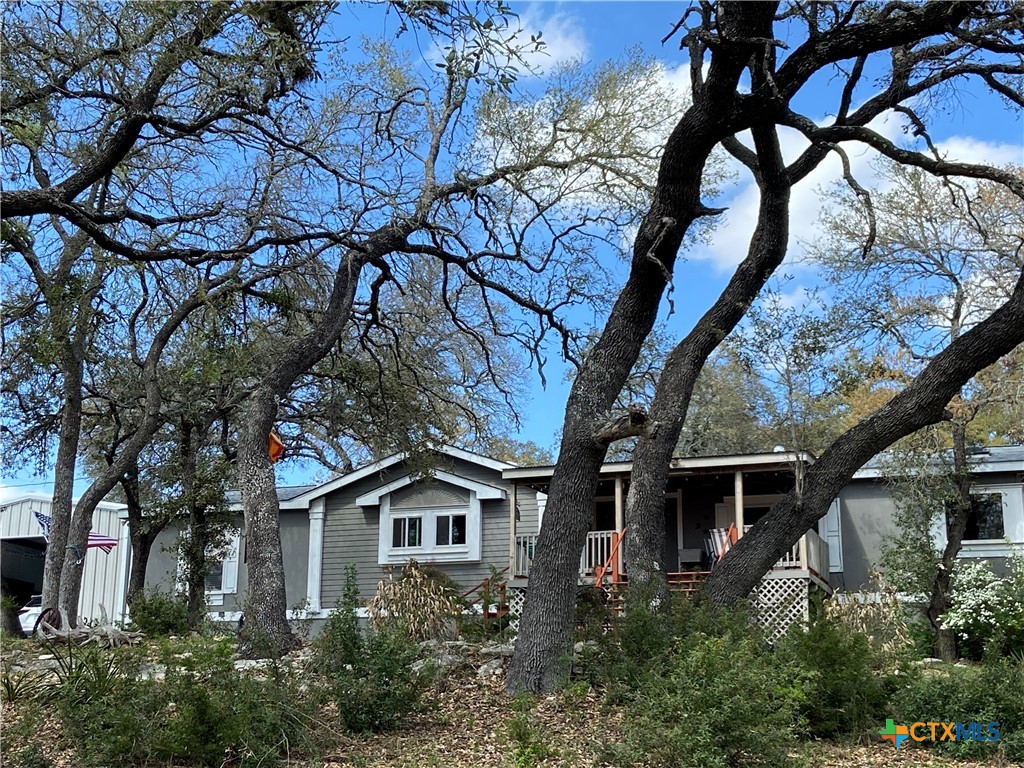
<point>443,530</point>
<point>398,532</point>
<point>415,533</point>
<point>458,529</point>
<point>215,576</point>
<point>986,517</point>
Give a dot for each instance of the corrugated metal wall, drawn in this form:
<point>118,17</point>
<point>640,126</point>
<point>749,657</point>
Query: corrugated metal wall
<point>103,579</point>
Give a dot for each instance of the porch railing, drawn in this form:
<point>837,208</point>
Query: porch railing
<point>810,553</point>
<point>525,544</point>
<point>596,551</point>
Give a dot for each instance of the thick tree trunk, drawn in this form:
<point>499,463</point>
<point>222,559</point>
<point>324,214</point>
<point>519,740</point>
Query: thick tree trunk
<point>61,506</point>
<point>542,654</point>
<point>10,625</point>
<point>645,506</point>
<point>141,532</point>
<point>266,609</point>
<point>266,612</point>
<point>922,403</point>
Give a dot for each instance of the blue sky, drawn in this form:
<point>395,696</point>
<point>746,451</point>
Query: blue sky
<point>971,125</point>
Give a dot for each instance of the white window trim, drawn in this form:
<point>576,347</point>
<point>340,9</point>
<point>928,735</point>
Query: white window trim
<point>1013,523</point>
<point>229,575</point>
<point>470,552</point>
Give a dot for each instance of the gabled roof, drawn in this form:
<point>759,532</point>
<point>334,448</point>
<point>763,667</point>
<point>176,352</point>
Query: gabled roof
<point>302,500</point>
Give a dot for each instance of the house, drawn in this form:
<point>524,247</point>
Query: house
<point>996,526</point>
<point>23,542</point>
<point>473,514</point>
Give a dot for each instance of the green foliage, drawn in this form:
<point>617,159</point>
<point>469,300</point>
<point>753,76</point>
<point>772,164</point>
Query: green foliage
<point>529,747</point>
<point>21,685</point>
<point>203,713</point>
<point>340,642</point>
<point>711,702</point>
<point>370,676</point>
<point>381,687</point>
<point>31,756</point>
<point>159,613</point>
<point>844,692</point>
<point>990,692</point>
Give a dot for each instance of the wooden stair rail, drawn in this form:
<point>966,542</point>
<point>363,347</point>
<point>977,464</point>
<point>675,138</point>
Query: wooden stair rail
<point>484,587</point>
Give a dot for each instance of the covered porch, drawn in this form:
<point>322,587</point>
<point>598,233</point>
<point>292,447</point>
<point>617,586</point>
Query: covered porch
<point>703,494</point>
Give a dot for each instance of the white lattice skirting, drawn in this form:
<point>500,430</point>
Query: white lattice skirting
<point>781,602</point>
<point>516,598</point>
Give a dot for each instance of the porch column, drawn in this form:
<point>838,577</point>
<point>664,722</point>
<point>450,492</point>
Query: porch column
<point>315,558</point>
<point>512,501</point>
<point>738,497</point>
<point>620,509</point>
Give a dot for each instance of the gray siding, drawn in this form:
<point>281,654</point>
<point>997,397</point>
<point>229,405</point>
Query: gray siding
<point>866,514</point>
<point>351,531</point>
<point>163,562</point>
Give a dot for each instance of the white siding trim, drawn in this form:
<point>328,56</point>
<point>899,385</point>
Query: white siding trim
<point>314,568</point>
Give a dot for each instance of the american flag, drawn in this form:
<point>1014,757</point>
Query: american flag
<point>95,539</point>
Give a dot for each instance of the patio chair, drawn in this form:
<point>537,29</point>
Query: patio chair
<point>720,541</point>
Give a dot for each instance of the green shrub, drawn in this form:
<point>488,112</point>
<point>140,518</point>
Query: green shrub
<point>340,642</point>
<point>844,693</point>
<point>380,687</point>
<point>159,613</point>
<point>988,611</point>
<point>370,675</point>
<point>712,702</point>
<point>529,747</point>
<point>203,713</point>
<point>989,692</point>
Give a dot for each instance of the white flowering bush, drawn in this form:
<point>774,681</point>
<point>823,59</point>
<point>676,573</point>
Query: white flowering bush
<point>988,610</point>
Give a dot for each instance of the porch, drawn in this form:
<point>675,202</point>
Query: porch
<point>603,556</point>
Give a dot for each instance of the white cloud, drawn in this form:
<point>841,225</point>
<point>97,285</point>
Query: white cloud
<point>732,236</point>
<point>561,32</point>
<point>967,149</point>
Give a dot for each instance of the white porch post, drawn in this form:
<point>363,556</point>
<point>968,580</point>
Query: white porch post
<point>512,501</point>
<point>315,557</point>
<point>620,509</point>
<point>738,497</point>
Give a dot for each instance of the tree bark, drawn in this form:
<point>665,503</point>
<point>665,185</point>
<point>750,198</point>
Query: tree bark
<point>81,522</point>
<point>543,650</point>
<point>266,611</point>
<point>922,403</point>
<point>645,508</point>
<point>10,625</point>
<point>141,532</point>
<point>958,510</point>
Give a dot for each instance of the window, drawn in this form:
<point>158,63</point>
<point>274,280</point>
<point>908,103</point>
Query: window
<point>215,577</point>
<point>451,530</point>
<point>985,520</point>
<point>439,519</point>
<point>406,532</point>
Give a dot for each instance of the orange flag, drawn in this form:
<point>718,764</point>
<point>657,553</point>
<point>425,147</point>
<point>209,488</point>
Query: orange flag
<point>276,447</point>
